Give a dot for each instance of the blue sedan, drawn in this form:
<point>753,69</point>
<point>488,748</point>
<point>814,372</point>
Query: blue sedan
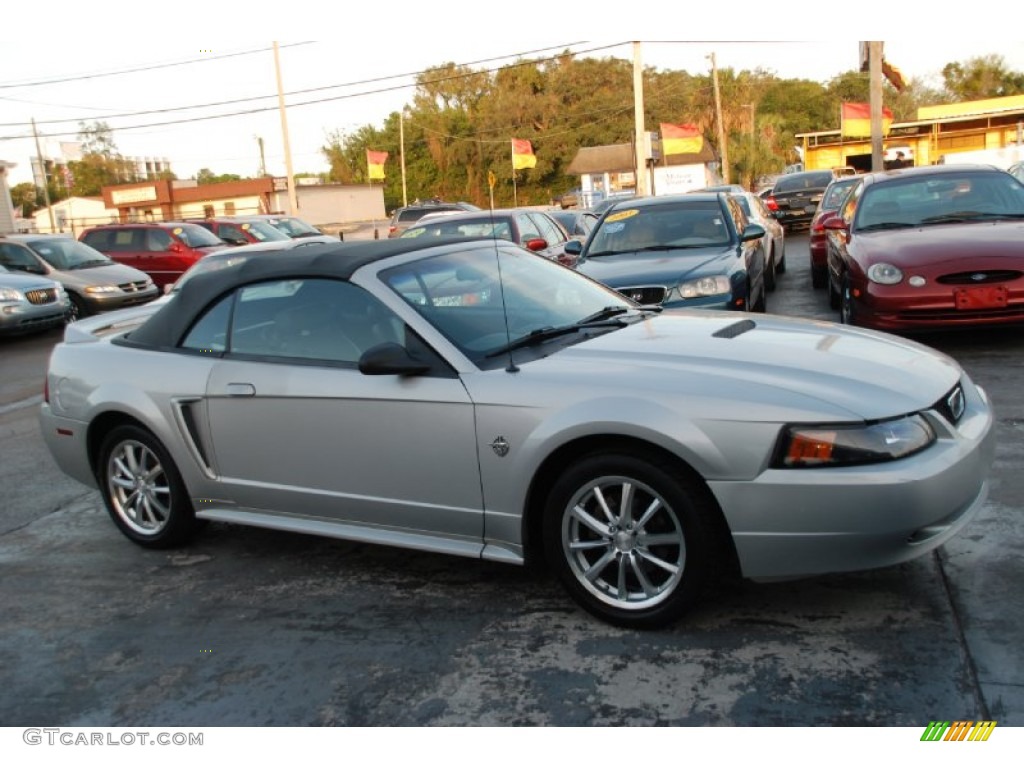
<point>694,250</point>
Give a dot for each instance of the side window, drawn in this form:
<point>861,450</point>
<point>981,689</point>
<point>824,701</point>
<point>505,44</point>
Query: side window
<point>231,234</point>
<point>548,230</point>
<point>123,240</point>
<point>312,320</point>
<point>210,332</point>
<point>527,228</point>
<point>19,259</point>
<point>157,240</point>
<point>99,239</point>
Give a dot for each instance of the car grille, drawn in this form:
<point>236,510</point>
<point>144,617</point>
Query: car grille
<point>980,277</point>
<point>43,296</point>
<point>951,405</point>
<point>645,294</point>
<point>133,287</point>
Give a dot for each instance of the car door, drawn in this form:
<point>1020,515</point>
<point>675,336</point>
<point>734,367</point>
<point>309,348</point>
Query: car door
<point>297,429</point>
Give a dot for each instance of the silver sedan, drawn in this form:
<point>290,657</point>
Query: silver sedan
<point>471,398</point>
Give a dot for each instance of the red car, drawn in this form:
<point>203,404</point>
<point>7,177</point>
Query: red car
<point>929,247</point>
<point>828,209</point>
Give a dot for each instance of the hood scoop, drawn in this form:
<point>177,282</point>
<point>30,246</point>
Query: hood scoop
<point>736,329</point>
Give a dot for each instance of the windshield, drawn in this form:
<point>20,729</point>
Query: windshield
<point>939,198</point>
<point>67,254</point>
<point>195,236</point>
<point>263,231</point>
<point>443,226</point>
<point>480,308</point>
<point>682,224</point>
<point>294,227</point>
<point>836,193</point>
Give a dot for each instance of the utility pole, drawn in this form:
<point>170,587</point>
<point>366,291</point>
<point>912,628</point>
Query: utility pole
<point>875,91</point>
<point>723,150</point>
<point>639,141</point>
<point>293,203</point>
<point>401,154</point>
<point>42,172</point>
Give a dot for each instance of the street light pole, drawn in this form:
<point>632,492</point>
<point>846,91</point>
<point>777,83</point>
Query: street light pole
<point>639,143</point>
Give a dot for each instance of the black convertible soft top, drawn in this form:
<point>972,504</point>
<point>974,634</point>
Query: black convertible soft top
<point>332,260</point>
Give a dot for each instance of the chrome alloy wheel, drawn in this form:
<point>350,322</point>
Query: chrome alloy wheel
<point>139,487</point>
<point>623,543</point>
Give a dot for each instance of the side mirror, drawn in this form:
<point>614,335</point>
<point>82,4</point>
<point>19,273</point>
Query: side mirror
<point>390,359</point>
<point>574,248</point>
<point>536,244</point>
<point>835,224</point>
<point>752,232</point>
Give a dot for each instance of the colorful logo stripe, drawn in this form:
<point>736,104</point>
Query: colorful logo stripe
<point>959,730</point>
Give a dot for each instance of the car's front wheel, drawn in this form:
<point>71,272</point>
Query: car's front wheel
<point>847,315</point>
<point>629,538</point>
<point>143,489</point>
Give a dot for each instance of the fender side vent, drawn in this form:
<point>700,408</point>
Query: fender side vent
<point>736,329</point>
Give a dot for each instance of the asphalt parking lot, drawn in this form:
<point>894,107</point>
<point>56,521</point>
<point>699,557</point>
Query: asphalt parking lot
<point>258,628</point>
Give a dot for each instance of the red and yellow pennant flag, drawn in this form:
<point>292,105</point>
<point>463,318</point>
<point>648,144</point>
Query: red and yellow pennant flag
<point>856,120</point>
<point>522,155</point>
<point>681,139</point>
<point>375,163</point>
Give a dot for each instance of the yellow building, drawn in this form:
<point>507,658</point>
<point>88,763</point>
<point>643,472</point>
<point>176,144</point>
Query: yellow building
<point>939,133</point>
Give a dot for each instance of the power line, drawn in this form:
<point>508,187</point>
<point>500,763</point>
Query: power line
<point>148,68</point>
<point>258,110</point>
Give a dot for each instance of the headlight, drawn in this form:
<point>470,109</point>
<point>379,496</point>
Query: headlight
<point>102,289</point>
<point>844,445</point>
<point>705,286</point>
<point>885,274</point>
<point>9,294</point>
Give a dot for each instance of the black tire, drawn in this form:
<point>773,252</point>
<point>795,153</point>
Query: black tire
<point>616,570</point>
<point>847,315</point>
<point>833,295</point>
<point>819,277</point>
<point>143,489</point>
<point>780,268</point>
<point>769,272</point>
<point>78,308</point>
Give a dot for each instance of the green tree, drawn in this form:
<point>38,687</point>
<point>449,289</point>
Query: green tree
<point>983,77</point>
<point>101,164</point>
<point>28,196</point>
<point>206,176</point>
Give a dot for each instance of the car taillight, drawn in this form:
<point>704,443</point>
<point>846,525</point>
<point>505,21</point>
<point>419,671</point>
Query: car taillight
<point>772,205</point>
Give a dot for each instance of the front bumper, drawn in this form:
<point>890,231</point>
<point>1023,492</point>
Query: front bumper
<point>894,308</point>
<point>29,318</point>
<point>108,302</point>
<point>793,523</point>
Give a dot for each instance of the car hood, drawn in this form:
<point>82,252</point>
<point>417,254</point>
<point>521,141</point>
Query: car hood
<point>108,274</point>
<point>771,367</point>
<point>24,282</point>
<point>657,267</point>
<point>941,243</point>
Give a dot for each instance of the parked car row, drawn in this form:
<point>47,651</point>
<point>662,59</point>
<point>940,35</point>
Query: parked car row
<point>641,452</point>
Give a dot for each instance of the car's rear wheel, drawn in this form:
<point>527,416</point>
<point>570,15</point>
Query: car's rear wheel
<point>629,538</point>
<point>143,489</point>
<point>770,269</point>
<point>819,277</point>
<point>780,268</point>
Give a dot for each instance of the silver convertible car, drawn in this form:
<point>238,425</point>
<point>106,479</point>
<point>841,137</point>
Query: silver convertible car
<point>472,398</point>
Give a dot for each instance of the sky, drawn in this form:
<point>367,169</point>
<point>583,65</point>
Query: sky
<point>346,69</point>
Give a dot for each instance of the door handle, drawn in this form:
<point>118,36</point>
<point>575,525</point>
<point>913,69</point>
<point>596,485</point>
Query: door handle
<point>240,389</point>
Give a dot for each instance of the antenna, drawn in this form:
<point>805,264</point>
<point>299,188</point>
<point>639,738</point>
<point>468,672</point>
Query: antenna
<point>512,367</point>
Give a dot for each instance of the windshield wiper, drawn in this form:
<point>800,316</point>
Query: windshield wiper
<point>886,225</point>
<point>956,216</point>
<point>92,263</point>
<point>603,318</point>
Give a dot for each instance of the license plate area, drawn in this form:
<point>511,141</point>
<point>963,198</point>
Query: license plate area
<point>981,297</point>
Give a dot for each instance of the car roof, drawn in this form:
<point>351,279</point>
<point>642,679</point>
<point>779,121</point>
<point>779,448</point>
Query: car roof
<point>321,260</point>
<point>882,177</point>
<point>26,236</point>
